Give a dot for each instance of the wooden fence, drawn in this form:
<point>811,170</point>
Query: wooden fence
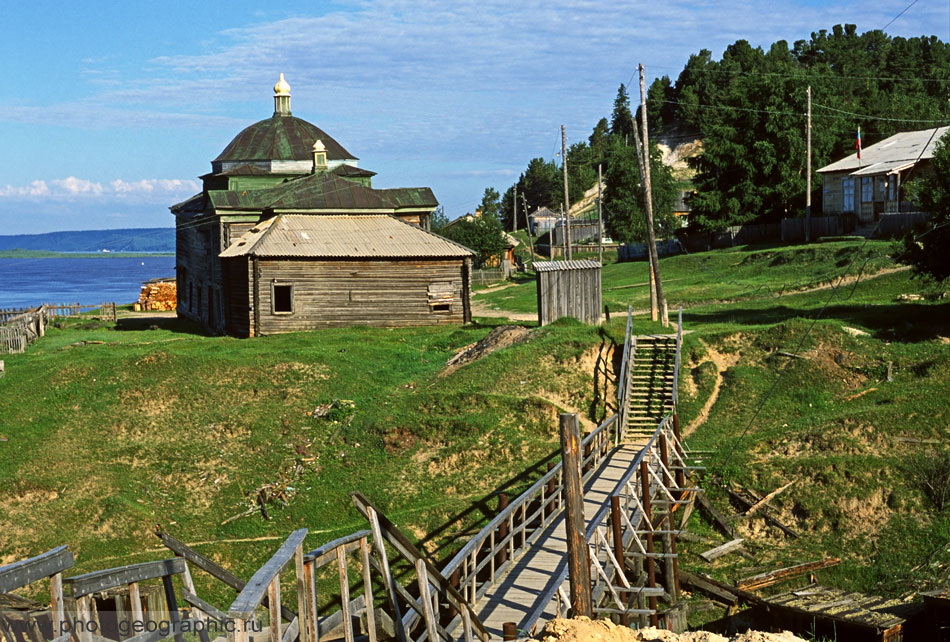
<point>17,332</point>
<point>891,225</point>
<point>579,232</point>
<point>488,275</point>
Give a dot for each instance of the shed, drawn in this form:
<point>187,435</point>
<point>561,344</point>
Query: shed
<point>303,271</point>
<point>568,289</point>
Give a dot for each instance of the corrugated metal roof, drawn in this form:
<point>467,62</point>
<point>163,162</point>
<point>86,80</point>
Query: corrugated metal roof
<point>342,236</point>
<point>903,147</point>
<point>887,167</point>
<point>554,266</point>
<point>281,137</point>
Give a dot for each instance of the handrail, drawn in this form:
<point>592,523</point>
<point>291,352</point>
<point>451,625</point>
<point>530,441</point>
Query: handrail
<point>253,593</point>
<point>598,519</point>
<point>676,367</point>
<point>318,555</point>
<point>112,577</point>
<point>19,574</point>
<point>622,388</point>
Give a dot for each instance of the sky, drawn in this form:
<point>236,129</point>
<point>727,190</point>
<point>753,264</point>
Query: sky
<point>110,110</point>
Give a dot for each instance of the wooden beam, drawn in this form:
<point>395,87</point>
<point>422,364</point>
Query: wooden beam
<point>713,515</point>
<point>762,580</point>
<point>765,500</point>
<point>574,522</point>
<point>724,549</point>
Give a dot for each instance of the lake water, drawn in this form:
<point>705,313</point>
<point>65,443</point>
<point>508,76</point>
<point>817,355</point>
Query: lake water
<point>27,282</point>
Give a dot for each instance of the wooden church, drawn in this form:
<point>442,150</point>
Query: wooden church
<point>289,234</point>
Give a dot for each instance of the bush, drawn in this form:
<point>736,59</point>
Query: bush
<point>931,474</point>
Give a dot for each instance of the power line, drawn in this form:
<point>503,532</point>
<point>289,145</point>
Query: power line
<point>899,15</point>
<point>883,118</point>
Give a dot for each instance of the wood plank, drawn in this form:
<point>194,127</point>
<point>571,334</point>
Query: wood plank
<point>123,575</point>
<point>719,551</point>
<point>762,580</point>
<point>765,500</point>
<point>252,594</point>
<point>19,574</point>
<point>712,514</point>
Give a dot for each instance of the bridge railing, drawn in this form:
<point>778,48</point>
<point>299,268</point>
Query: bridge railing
<point>516,528</point>
<point>623,378</point>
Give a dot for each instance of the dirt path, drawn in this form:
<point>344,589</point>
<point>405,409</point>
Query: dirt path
<point>722,362</point>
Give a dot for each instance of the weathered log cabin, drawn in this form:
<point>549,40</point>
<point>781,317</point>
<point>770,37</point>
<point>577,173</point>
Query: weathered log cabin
<point>300,272</point>
<point>285,165</point>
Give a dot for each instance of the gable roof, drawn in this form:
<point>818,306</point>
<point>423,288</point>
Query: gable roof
<point>281,137</point>
<point>323,191</point>
<point>375,236</point>
<point>898,151</point>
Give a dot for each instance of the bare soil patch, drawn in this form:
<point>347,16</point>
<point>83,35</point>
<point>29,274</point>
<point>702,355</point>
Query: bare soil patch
<point>587,630</point>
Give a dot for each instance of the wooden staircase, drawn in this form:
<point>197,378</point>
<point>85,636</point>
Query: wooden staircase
<point>651,383</point>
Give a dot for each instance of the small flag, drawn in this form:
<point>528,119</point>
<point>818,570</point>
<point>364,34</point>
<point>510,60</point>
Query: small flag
<point>859,143</point>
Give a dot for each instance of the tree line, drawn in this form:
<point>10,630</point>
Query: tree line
<point>748,108</point>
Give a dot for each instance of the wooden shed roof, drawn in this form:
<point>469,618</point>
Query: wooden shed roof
<point>377,236</point>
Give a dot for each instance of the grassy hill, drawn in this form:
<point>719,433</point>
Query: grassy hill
<point>104,440</point>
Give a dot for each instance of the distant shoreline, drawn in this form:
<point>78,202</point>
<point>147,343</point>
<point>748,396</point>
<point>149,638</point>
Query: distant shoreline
<point>43,254</point>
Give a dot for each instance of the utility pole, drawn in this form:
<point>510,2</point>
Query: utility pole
<point>514,208</point>
<point>600,220</point>
<point>648,200</point>
<point>527,223</point>
<point>642,159</point>
<point>567,202</point>
<point>808,173</point>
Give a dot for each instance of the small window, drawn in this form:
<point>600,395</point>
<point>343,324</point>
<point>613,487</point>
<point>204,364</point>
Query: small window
<point>283,299</point>
<point>867,189</point>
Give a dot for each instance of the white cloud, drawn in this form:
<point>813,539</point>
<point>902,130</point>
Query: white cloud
<point>72,188</point>
<point>35,188</point>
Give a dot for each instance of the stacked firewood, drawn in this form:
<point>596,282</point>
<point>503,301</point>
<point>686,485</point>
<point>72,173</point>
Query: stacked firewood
<point>158,296</point>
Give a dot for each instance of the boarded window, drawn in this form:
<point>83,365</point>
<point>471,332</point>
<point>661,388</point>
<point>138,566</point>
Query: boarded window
<point>282,297</point>
<point>441,296</point>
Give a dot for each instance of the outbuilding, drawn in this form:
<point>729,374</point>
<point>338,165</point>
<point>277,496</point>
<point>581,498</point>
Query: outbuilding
<point>296,272</point>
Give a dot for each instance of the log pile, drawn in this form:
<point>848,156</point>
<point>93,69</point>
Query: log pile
<point>157,295</point>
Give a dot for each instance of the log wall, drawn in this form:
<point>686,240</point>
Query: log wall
<point>342,293</point>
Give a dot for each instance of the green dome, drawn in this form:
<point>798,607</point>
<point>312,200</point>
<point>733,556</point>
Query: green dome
<point>281,138</point>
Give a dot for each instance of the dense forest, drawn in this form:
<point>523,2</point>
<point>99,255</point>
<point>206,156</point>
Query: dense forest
<point>748,108</point>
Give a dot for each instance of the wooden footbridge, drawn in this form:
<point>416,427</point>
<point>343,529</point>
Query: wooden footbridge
<point>509,577</point>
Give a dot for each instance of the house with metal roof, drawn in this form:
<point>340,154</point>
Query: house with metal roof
<point>277,166</point>
<point>299,272</point>
<point>872,184</point>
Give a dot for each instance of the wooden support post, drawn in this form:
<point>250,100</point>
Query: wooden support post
<point>425,598</point>
<point>669,568</point>
<point>368,590</point>
<point>344,594</point>
<point>502,556</point>
<point>57,614</point>
<point>680,474</point>
<point>647,513</point>
<point>616,531</point>
<point>273,605</point>
<point>389,580</point>
<point>550,491</point>
<point>577,551</point>
<point>310,585</point>
<point>172,603</point>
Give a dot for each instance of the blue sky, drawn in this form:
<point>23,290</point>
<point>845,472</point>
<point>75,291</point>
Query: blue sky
<point>109,111</point>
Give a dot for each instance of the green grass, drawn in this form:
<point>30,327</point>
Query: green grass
<point>171,427</point>
<point>166,426</point>
<point>740,273</point>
